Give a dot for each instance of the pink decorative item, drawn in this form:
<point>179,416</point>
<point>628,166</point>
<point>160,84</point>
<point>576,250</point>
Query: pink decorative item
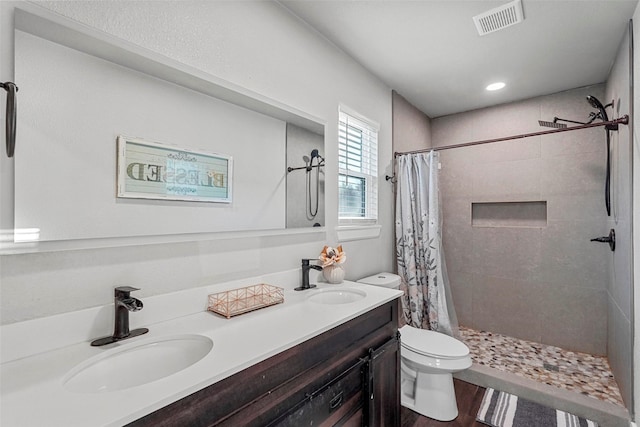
<point>332,260</point>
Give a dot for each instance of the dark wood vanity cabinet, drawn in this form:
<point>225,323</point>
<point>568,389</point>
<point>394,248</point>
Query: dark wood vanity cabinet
<point>347,376</point>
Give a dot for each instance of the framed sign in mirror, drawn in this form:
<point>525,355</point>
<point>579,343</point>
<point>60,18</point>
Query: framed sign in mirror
<point>150,170</point>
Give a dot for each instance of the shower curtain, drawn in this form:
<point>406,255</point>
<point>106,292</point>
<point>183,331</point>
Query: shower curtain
<point>427,301</point>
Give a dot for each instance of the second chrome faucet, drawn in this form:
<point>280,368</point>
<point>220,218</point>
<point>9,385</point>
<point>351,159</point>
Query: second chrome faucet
<point>124,303</point>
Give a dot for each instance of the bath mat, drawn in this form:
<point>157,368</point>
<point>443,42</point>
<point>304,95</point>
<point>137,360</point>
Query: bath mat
<point>500,409</point>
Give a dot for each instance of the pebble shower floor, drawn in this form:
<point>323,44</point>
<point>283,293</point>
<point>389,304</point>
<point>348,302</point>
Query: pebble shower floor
<point>580,372</point>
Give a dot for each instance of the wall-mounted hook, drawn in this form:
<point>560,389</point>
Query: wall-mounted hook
<point>391,178</point>
<point>11,89</point>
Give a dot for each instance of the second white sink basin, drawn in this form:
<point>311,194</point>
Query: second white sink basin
<point>137,363</point>
<point>336,296</point>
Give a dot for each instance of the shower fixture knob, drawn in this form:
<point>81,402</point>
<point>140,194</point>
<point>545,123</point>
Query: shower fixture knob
<point>610,239</point>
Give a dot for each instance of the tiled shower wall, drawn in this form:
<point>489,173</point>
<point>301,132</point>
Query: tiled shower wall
<point>544,281</point>
<point>619,349</point>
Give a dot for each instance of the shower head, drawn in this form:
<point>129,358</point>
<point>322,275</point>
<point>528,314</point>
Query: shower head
<point>595,103</point>
<point>553,124</point>
<point>306,159</point>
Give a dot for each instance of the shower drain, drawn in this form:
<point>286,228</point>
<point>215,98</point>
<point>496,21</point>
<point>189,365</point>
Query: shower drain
<point>550,367</point>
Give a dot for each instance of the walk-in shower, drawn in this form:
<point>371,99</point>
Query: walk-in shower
<point>522,266</point>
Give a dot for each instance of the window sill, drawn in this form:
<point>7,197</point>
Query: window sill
<point>348,233</point>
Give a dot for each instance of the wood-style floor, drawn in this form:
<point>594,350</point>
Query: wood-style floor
<point>469,399</point>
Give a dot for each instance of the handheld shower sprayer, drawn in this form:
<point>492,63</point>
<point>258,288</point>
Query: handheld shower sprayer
<point>602,115</point>
<point>602,110</point>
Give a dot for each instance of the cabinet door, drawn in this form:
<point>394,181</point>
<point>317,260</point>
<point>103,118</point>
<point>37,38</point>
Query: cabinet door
<point>383,385</point>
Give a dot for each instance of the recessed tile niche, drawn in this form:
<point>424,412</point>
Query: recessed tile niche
<point>509,214</point>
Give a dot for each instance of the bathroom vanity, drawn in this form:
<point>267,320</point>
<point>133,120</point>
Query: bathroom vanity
<point>346,376</point>
<point>316,359</point>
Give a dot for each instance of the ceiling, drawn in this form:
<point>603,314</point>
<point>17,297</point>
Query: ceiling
<point>429,51</point>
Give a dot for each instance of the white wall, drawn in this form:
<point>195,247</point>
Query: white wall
<point>636,210</point>
<point>257,45</point>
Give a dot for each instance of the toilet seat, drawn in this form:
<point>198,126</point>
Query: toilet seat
<point>431,343</point>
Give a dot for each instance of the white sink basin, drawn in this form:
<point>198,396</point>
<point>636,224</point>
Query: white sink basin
<point>336,296</point>
<point>137,363</point>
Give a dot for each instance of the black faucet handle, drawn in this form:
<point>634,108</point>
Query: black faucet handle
<point>124,291</point>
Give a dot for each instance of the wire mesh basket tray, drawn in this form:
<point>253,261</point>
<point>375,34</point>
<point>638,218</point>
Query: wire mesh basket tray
<point>242,300</point>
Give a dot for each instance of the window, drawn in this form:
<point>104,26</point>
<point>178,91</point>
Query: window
<point>357,170</point>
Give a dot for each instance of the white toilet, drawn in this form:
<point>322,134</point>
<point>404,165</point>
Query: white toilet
<point>428,361</point>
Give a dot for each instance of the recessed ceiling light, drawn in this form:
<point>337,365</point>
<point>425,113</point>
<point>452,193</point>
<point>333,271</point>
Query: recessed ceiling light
<point>496,86</point>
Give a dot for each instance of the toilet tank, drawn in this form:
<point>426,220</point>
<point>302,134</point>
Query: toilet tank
<point>386,280</point>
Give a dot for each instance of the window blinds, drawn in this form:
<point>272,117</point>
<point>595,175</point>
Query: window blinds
<point>357,169</point>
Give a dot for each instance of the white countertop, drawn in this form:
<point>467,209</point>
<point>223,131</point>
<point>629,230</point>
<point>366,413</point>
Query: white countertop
<point>33,393</point>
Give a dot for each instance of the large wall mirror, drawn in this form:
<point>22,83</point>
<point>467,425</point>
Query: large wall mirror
<point>79,91</point>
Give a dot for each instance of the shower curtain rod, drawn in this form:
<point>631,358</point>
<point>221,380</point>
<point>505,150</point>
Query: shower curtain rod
<point>611,124</point>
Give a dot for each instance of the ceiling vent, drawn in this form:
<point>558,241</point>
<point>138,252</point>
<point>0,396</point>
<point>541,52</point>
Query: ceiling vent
<point>498,18</point>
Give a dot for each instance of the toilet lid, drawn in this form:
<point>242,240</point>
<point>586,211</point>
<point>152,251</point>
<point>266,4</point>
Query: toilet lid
<point>431,343</point>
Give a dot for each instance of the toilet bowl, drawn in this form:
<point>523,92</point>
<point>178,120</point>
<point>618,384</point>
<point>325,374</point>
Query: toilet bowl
<point>428,361</point>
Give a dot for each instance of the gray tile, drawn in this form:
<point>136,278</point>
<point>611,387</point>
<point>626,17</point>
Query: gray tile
<point>575,318</point>
<point>506,306</point>
<point>507,181</point>
<point>568,257</point>
<point>457,250</point>
<point>620,350</point>
<point>507,151</point>
<point>462,294</point>
<point>507,119</point>
<point>456,210</point>
<point>567,144</point>
<point>578,206</point>
<point>513,253</point>
<point>621,179</point>
<point>580,174</point>
<point>455,175</point>
<point>620,282</point>
<point>454,129</point>
<point>456,233</point>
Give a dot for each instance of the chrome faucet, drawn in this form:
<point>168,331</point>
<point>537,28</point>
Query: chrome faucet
<point>305,275</point>
<point>124,303</point>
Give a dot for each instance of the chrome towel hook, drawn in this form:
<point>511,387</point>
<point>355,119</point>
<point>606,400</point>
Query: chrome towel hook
<point>11,89</point>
